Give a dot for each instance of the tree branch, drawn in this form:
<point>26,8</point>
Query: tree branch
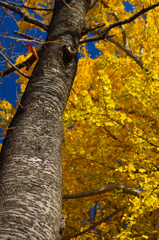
<point>142,44</point>
<point>95,224</point>
<point>26,64</point>
<point>125,40</point>
<point>13,66</point>
<point>104,190</point>
<point>29,37</point>
<point>94,38</point>
<point>155,165</point>
<point>26,18</point>
<point>136,58</point>
<point>129,20</point>
<point>32,8</point>
<point>119,23</point>
<point>110,188</point>
<point>30,60</point>
<point>88,29</point>
<point>102,36</point>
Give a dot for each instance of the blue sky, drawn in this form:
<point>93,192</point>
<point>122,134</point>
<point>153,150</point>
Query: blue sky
<point>7,84</point>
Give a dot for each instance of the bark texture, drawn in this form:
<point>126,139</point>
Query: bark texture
<point>31,158</point>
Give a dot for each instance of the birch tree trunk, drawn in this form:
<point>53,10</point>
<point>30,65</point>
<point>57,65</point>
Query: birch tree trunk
<point>31,158</point>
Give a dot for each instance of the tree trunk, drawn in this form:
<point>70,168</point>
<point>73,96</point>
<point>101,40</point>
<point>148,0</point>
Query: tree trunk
<point>31,158</point>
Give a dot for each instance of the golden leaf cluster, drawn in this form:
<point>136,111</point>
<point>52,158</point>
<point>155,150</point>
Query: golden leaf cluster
<point>111,126</point>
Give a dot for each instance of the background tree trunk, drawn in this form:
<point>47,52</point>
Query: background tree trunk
<point>31,159</point>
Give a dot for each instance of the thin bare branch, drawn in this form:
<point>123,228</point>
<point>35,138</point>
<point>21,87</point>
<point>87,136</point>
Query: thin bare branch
<point>29,37</point>
<point>10,53</point>
<point>29,61</point>
<point>112,135</point>
<point>28,40</point>
<point>25,17</point>
<point>15,68</point>
<point>32,8</point>
<point>26,64</point>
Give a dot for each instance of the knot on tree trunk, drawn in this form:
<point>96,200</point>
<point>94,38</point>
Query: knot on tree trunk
<point>69,52</point>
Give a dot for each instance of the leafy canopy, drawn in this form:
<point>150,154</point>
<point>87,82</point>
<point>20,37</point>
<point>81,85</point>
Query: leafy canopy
<point>111,125</point>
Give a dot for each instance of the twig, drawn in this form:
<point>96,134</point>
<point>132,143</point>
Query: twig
<point>33,39</point>
<point>32,8</point>
<point>69,6</point>
<point>29,37</point>
<point>15,68</point>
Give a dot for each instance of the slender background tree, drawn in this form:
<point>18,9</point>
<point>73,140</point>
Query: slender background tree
<point>110,148</point>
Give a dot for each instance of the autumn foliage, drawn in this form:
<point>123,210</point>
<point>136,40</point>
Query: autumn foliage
<point>111,126</point>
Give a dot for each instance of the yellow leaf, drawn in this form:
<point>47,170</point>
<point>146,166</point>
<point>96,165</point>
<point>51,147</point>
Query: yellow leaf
<point>142,170</point>
<point>144,236</point>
